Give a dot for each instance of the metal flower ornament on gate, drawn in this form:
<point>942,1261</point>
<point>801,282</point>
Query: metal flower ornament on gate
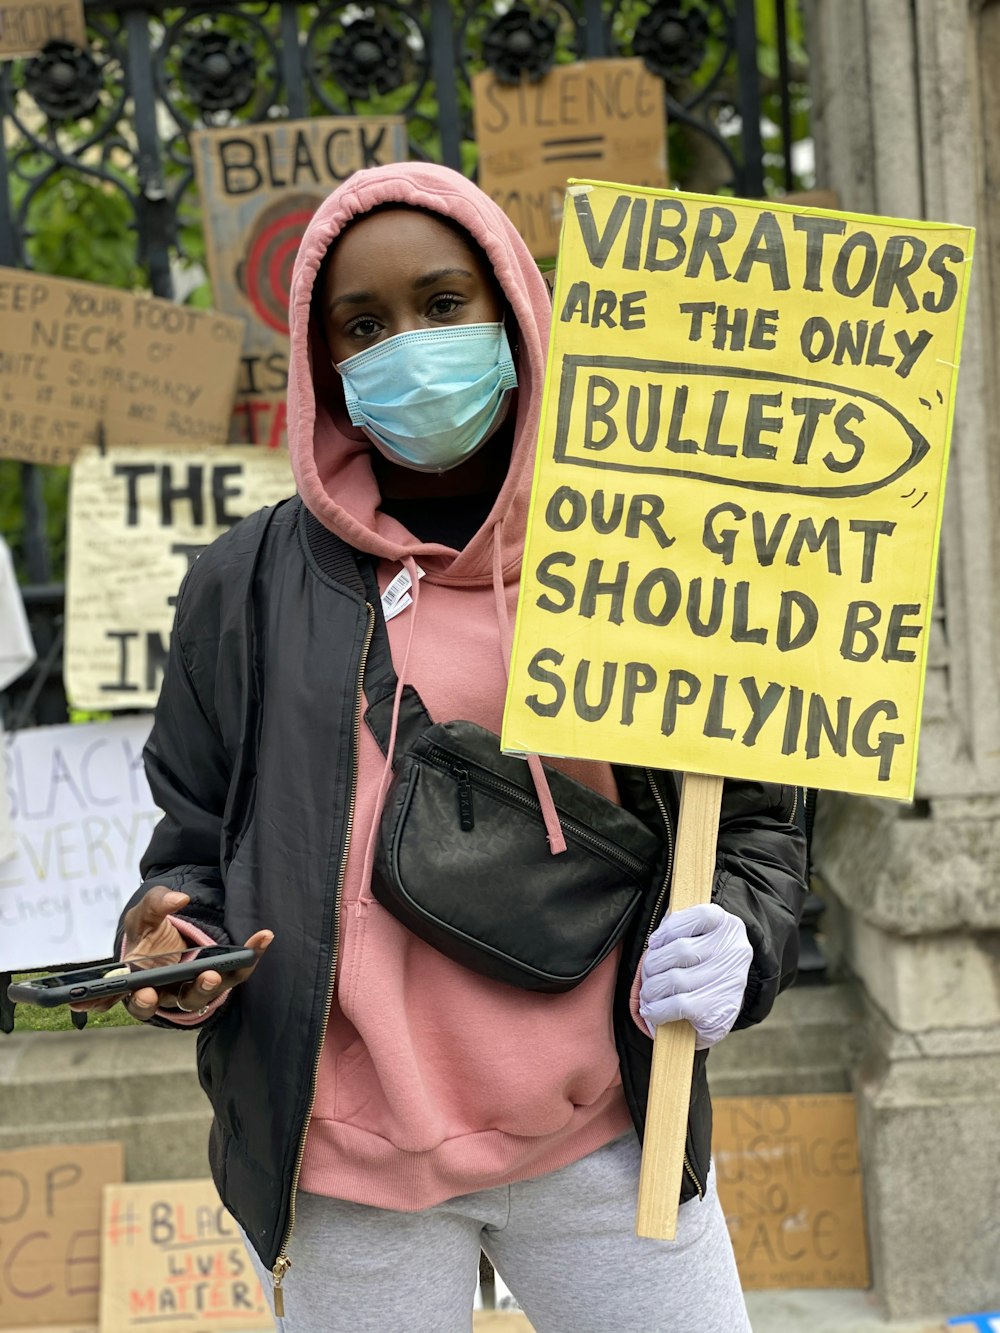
<point>520,44</point>
<point>218,71</point>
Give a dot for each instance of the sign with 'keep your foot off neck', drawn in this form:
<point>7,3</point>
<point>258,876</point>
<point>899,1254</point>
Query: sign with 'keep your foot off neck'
<point>738,490</point>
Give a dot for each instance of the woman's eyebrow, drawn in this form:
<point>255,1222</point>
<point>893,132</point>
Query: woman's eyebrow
<point>428,279</point>
<point>352,298</point>
<point>425,280</point>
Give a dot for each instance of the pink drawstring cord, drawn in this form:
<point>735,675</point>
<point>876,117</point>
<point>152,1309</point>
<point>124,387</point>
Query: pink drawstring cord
<point>550,816</point>
<point>366,874</point>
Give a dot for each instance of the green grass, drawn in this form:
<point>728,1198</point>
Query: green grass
<point>33,1018</point>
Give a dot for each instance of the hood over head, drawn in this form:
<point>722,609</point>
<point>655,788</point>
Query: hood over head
<point>330,457</point>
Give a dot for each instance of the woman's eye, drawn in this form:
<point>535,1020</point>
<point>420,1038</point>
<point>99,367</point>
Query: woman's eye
<point>365,326</point>
<point>445,305</point>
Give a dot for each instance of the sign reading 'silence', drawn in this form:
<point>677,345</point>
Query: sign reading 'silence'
<point>738,490</point>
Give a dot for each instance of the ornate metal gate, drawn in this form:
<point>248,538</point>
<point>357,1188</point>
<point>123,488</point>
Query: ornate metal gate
<point>116,119</point>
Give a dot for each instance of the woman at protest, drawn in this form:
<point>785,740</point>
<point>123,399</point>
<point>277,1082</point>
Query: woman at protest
<point>383,1111</point>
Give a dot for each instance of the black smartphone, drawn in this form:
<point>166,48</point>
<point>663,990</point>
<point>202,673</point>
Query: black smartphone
<point>128,974</point>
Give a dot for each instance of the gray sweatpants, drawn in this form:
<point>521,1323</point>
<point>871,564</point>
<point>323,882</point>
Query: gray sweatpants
<point>564,1244</point>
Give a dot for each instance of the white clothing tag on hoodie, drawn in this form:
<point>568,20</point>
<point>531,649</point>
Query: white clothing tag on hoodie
<point>397,597</point>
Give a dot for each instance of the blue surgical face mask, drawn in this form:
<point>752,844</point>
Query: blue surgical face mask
<point>430,398</point>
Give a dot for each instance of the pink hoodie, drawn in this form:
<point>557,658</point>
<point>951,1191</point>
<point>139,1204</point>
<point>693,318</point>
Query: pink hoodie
<point>434,1081</point>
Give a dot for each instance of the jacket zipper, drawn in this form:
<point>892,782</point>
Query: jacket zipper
<point>467,780</point>
<point>282,1264</point>
<point>669,828</point>
<point>665,816</point>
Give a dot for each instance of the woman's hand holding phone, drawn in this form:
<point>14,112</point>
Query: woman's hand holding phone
<point>149,932</point>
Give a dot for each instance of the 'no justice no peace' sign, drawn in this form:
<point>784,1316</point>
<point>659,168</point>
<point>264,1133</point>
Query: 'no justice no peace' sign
<point>738,489</point>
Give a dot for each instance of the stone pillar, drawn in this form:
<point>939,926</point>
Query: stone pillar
<point>907,123</point>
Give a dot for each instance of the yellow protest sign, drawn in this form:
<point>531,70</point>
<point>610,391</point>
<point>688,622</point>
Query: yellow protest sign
<point>738,489</point>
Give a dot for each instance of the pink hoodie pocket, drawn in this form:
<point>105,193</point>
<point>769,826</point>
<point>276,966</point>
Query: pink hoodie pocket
<point>441,1052</point>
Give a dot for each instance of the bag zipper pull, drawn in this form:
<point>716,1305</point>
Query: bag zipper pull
<point>466,815</point>
<point>281,1267</point>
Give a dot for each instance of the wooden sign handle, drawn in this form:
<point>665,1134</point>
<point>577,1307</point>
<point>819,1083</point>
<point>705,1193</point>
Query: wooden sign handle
<point>673,1048</point>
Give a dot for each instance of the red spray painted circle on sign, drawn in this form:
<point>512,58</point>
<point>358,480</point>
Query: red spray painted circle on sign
<point>267,270</point>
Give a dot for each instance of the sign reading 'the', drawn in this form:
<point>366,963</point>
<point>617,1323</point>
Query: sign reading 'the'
<point>138,521</point>
<point>77,358</point>
<point>738,489</point>
<point>260,185</point>
<point>605,117</point>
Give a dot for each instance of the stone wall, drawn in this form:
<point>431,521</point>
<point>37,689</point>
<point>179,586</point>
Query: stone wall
<point>907,124</point>
<point>139,1085</point>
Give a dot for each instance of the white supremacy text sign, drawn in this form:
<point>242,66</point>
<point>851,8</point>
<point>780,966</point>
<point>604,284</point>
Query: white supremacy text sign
<point>76,358</point>
<point>139,519</point>
<point>82,813</point>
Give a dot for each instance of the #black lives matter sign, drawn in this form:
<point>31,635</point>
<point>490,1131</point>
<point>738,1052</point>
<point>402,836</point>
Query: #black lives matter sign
<point>738,489</point>
<point>172,1258</point>
<point>138,521</point>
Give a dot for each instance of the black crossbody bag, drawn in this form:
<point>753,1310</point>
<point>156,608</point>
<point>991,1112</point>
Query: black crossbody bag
<point>462,858</point>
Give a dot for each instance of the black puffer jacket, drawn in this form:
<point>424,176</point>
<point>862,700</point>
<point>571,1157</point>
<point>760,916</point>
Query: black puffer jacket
<point>252,761</point>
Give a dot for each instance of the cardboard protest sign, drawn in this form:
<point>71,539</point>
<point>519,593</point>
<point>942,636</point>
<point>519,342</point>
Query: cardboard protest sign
<point>260,185</point>
<point>605,117</point>
<point>738,489</point>
<point>7,844</point>
<point>17,647</point>
<point>50,1237</point>
<point>138,520</point>
<point>789,1181</point>
<point>26,25</point>
<point>75,357</point>
<point>172,1256</point>
<point>82,814</point>
<point>55,1328</point>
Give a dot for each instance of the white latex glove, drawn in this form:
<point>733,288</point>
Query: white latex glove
<point>695,967</point>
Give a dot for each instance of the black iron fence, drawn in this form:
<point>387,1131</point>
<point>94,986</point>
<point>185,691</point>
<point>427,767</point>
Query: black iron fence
<point>97,179</point>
